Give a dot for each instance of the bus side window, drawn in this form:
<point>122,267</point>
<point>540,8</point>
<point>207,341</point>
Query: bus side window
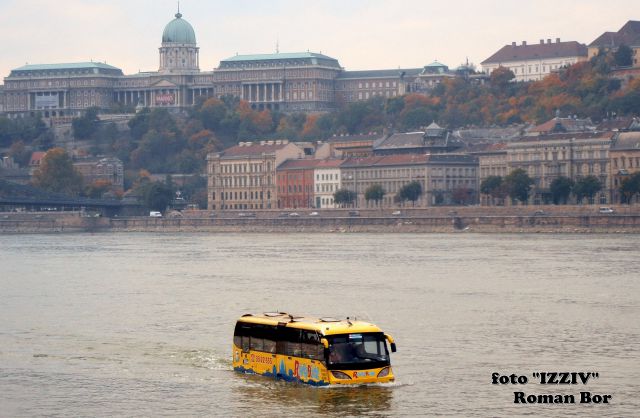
<point>244,332</point>
<point>256,337</point>
<point>311,347</point>
<point>292,342</point>
<point>269,339</point>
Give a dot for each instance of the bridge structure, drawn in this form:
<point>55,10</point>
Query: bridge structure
<point>22,198</point>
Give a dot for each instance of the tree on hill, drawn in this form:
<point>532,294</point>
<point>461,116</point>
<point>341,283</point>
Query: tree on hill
<point>623,57</point>
<point>57,174</point>
<point>86,125</point>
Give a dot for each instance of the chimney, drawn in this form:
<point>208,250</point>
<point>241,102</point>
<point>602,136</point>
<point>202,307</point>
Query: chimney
<point>513,44</point>
<point>557,40</point>
<point>541,41</point>
<point>524,43</point>
<point>548,41</point>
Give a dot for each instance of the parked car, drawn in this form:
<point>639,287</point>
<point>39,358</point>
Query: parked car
<point>283,215</point>
<point>354,213</point>
<point>314,214</point>
<point>540,212</point>
<point>294,214</point>
<point>155,214</point>
<point>247,215</point>
<point>397,213</point>
<point>605,209</point>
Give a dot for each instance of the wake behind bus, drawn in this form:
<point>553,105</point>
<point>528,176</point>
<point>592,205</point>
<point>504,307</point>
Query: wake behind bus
<point>315,351</point>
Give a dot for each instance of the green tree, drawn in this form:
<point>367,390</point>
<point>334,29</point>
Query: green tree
<point>560,189</point>
<point>493,186</point>
<point>630,187</point>
<point>518,185</point>
<point>157,196</point>
<point>86,125</point>
<point>411,191</point>
<point>587,187</point>
<point>57,174</point>
<point>344,197</point>
<point>623,57</point>
<point>374,192</point>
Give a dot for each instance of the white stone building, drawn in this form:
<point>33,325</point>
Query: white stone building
<point>326,182</point>
<point>535,61</point>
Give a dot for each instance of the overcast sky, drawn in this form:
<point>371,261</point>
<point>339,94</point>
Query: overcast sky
<point>361,34</point>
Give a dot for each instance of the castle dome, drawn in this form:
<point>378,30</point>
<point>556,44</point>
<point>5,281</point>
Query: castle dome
<point>179,31</point>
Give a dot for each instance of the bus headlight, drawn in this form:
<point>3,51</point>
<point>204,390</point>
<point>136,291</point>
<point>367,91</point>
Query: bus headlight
<point>384,372</point>
<point>340,375</point>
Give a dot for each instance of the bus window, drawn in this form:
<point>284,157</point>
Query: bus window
<point>290,338</point>
<point>310,345</point>
<point>257,343</point>
<point>242,336</point>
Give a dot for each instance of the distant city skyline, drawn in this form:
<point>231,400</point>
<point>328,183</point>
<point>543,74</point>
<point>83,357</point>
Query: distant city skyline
<point>360,34</point>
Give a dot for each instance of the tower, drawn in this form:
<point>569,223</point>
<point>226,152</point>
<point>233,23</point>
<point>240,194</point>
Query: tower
<point>179,53</point>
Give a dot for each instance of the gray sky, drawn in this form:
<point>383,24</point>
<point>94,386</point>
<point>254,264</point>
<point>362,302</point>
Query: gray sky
<point>361,34</point>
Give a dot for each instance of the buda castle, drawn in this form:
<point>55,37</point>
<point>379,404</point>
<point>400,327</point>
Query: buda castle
<point>288,82</point>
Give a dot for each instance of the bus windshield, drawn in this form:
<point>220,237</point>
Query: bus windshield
<point>359,351</point>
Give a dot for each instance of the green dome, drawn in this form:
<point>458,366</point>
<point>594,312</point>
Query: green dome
<point>179,31</point>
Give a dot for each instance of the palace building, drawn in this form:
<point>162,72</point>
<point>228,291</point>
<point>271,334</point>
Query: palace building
<point>304,81</point>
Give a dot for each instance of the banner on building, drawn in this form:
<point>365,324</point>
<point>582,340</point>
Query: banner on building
<point>165,99</point>
<point>50,101</point>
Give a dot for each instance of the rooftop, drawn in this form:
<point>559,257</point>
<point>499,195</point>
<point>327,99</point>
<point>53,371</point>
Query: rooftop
<point>629,35</point>
<point>395,73</point>
<point>66,66</point>
<point>325,326</point>
<point>547,50</point>
<point>277,56</point>
<point>247,149</point>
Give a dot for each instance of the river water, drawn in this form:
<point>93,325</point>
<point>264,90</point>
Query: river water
<point>141,324</point>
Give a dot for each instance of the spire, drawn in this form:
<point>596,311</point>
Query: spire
<point>178,15</point>
<point>277,46</point>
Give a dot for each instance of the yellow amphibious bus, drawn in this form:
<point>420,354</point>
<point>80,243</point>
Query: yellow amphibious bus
<point>317,351</point>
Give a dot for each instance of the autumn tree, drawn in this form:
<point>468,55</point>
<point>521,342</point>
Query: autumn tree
<point>97,188</point>
<point>57,174</point>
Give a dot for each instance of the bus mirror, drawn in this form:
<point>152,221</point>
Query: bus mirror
<point>391,342</point>
<point>324,342</point>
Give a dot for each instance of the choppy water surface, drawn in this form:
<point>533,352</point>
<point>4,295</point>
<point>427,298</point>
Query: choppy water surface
<point>141,324</point>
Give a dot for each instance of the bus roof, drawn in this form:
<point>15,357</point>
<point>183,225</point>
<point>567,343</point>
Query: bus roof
<point>324,326</point>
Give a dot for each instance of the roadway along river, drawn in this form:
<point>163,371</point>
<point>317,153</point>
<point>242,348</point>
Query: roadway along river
<point>141,324</point>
